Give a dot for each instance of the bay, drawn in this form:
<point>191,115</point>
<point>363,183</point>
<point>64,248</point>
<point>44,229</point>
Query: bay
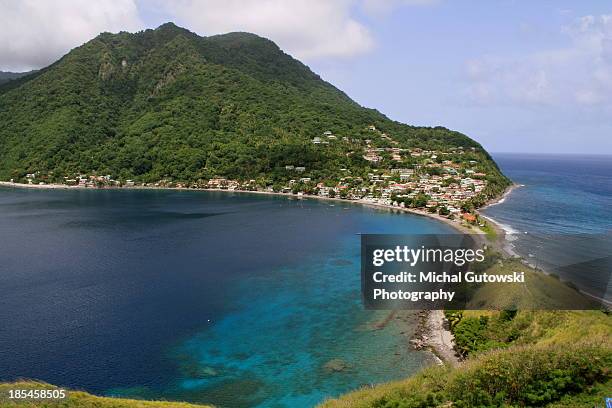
<point>234,299</point>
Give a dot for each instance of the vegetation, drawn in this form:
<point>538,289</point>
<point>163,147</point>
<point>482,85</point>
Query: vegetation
<point>76,399</point>
<point>525,358</point>
<point>517,357</point>
<point>166,104</point>
<point>541,292</point>
<point>9,76</point>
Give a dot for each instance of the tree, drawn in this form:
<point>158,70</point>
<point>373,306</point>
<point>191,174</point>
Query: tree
<point>420,200</point>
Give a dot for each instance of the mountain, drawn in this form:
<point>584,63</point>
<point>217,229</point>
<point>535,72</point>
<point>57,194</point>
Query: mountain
<point>169,104</point>
<point>9,76</point>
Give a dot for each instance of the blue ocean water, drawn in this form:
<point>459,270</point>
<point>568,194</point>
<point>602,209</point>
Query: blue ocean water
<point>560,218</point>
<point>232,299</point>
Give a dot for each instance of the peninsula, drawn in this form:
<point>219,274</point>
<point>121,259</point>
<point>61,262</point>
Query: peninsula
<point>168,108</point>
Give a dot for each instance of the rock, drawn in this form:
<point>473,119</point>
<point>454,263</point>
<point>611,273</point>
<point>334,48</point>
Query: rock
<point>417,344</point>
<point>336,365</point>
<point>196,371</point>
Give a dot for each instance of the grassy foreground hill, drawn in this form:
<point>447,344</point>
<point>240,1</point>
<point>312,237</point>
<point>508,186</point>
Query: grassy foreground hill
<point>77,399</point>
<point>512,358</point>
<point>167,104</point>
<point>530,358</point>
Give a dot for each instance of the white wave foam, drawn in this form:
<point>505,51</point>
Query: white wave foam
<point>507,229</point>
<point>501,200</point>
<point>510,233</point>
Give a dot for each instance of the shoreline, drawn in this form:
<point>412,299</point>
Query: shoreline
<point>433,334</point>
<point>436,334</point>
<point>506,247</point>
<point>456,225</point>
<point>503,196</point>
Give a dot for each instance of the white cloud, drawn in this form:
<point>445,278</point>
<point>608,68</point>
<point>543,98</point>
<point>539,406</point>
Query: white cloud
<point>382,7</point>
<point>306,29</point>
<point>579,74</point>
<point>35,33</point>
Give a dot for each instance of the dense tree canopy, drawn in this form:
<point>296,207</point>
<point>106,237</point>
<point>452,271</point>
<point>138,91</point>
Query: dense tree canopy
<point>166,103</point>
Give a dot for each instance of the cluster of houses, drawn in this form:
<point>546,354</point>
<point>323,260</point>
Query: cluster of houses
<point>225,184</point>
<point>326,138</point>
<point>81,180</point>
<point>392,187</point>
<point>373,152</point>
<point>445,183</point>
<point>94,181</point>
<point>442,191</point>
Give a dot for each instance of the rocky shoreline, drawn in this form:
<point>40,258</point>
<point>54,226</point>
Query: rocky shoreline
<point>433,334</point>
<point>433,331</point>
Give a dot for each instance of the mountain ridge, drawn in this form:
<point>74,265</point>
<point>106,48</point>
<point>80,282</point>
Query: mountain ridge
<point>7,76</point>
<point>166,103</point>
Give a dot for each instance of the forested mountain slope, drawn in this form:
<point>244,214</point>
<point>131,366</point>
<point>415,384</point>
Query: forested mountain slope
<point>169,104</point>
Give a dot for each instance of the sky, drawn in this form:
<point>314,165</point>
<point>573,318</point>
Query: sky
<point>517,76</point>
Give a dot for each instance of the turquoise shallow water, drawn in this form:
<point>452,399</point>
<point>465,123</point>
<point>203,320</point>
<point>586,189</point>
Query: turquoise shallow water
<point>284,334</point>
<point>236,300</point>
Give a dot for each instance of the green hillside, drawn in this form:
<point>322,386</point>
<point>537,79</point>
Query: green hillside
<point>9,76</point>
<point>525,359</point>
<point>75,399</point>
<point>168,104</point>
<point>512,358</point>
